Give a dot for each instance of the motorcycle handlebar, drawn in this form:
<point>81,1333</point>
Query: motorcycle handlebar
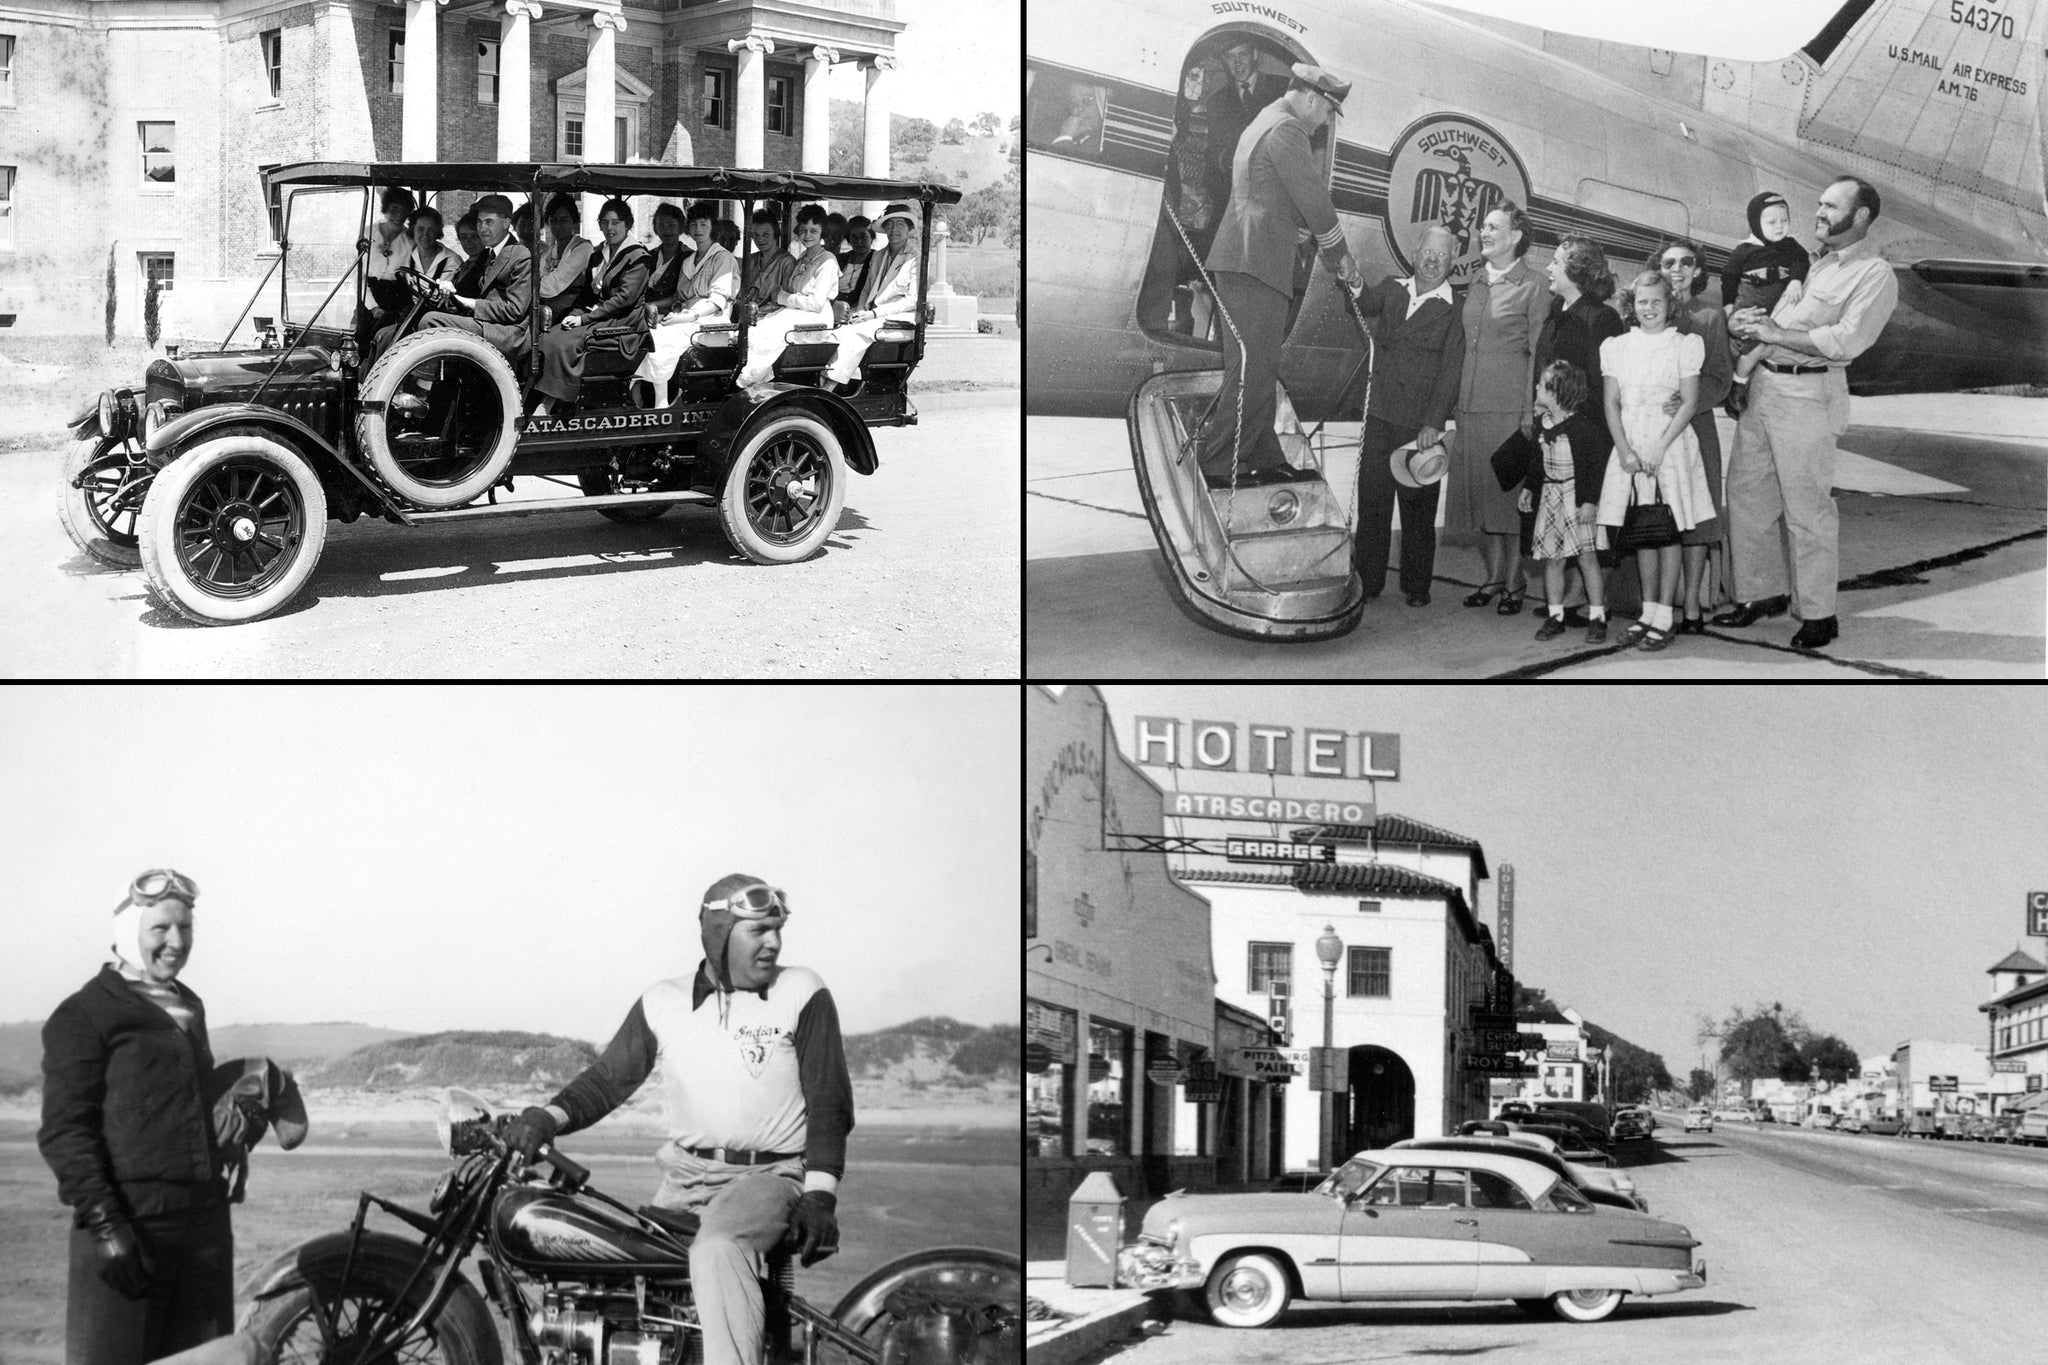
<point>574,1172</point>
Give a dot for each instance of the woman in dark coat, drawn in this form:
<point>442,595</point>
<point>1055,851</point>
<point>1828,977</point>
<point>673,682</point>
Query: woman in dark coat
<point>1683,264</point>
<point>126,1129</point>
<point>618,276</point>
<point>665,263</point>
<point>1581,283</point>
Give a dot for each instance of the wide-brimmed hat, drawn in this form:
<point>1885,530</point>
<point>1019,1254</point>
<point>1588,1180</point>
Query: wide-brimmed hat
<point>1415,468</point>
<point>893,211</point>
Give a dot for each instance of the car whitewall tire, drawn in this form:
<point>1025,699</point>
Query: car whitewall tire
<point>785,490</point>
<point>232,528</point>
<point>1248,1290</point>
<point>1587,1305</point>
<point>449,481</point>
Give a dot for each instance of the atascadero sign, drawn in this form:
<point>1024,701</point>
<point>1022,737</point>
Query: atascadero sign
<point>1277,851</point>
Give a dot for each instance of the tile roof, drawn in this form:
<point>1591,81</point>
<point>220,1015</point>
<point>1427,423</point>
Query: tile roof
<point>2017,961</point>
<point>1393,829</point>
<point>1344,879</point>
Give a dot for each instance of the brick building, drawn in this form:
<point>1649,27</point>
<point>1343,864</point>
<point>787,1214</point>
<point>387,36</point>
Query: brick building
<point>132,131</point>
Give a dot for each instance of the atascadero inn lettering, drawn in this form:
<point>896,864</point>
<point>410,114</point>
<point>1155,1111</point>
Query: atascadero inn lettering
<point>1216,746</point>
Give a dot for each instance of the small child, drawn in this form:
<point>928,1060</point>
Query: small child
<point>1759,271</point>
<point>1567,480</point>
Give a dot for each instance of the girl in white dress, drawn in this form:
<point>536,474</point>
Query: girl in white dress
<point>706,284</point>
<point>1643,369</point>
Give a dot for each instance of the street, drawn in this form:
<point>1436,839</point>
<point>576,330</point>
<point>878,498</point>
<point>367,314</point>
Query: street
<point>1820,1247</point>
<point>920,580</point>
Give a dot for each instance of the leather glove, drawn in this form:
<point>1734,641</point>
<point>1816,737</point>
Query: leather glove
<point>816,1225</point>
<point>534,1129</point>
<point>121,1261</point>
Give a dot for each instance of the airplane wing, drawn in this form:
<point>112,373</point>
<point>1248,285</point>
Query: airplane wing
<point>2006,289</point>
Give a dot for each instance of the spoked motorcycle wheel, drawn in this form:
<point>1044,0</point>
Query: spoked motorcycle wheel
<point>960,1277</point>
<point>311,1324</point>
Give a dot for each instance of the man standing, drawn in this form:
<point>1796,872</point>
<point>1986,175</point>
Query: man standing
<point>1234,105</point>
<point>1277,198</point>
<point>1418,355</point>
<point>1781,476</point>
<point>756,1098</point>
<point>503,284</point>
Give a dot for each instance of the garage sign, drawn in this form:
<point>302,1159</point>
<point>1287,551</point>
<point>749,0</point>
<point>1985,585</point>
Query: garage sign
<point>1277,851</point>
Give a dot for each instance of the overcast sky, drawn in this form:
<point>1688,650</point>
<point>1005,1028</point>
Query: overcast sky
<point>515,858</point>
<point>956,59</point>
<point>1851,852</point>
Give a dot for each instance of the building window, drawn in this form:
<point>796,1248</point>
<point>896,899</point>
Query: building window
<point>1270,962</point>
<point>6,69</point>
<point>778,104</point>
<point>156,266</point>
<point>716,105</point>
<point>397,61</point>
<point>572,138</point>
<point>487,71</point>
<point>6,208</point>
<point>1371,970</point>
<point>273,204</point>
<point>1052,1128</point>
<point>620,151</point>
<point>159,157</point>
<point>273,61</point>
<point>1368,907</point>
<point>1109,1090</point>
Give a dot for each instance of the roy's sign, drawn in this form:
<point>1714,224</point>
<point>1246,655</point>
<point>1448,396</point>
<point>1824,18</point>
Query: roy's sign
<point>1226,746</point>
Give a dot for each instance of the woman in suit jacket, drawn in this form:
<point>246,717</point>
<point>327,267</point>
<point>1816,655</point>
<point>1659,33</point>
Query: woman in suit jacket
<point>618,275</point>
<point>889,295</point>
<point>665,264</point>
<point>1504,311</point>
<point>130,1138</point>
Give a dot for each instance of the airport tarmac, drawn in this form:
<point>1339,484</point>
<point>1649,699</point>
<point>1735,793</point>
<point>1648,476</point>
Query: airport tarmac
<point>1944,562</point>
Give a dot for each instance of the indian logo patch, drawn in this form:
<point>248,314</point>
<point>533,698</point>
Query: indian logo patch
<point>755,1040</point>
<point>1452,170</point>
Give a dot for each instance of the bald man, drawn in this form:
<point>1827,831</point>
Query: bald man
<point>1418,352</point>
<point>756,1098</point>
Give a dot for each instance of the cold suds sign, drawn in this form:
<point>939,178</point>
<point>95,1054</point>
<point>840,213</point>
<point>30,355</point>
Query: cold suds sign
<point>1224,746</point>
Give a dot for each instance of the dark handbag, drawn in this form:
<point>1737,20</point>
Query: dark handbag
<point>1517,455</point>
<point>1648,525</point>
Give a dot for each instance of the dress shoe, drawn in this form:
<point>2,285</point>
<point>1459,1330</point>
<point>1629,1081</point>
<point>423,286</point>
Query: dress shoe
<point>1653,640</point>
<point>1749,613</point>
<point>1596,632</point>
<point>1418,599</point>
<point>1691,625</point>
<point>1814,634</point>
<point>1552,627</point>
<point>1576,619</point>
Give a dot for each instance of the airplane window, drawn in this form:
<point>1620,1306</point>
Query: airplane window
<point>1226,81</point>
<point>1067,115</point>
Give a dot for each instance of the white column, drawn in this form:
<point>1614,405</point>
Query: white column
<point>750,108</point>
<point>515,80</point>
<point>422,101</point>
<point>939,288</point>
<point>875,159</point>
<point>601,87</point>
<point>818,109</point>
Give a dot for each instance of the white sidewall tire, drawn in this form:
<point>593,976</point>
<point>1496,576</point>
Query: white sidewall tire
<point>732,500</point>
<point>74,512</point>
<point>168,578</point>
<point>1573,1311</point>
<point>373,435</point>
<point>1258,1283</point>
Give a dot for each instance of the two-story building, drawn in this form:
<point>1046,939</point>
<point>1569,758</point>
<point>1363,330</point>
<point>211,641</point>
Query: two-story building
<point>2017,1017</point>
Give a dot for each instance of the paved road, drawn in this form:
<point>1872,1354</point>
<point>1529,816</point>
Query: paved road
<point>1811,1257</point>
<point>921,580</point>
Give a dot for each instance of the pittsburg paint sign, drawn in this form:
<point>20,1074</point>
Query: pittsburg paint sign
<point>1225,746</point>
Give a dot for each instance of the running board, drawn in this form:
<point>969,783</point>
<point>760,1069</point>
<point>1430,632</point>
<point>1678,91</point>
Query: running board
<point>538,505</point>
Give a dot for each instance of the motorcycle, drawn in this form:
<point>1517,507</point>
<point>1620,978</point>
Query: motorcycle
<point>582,1279</point>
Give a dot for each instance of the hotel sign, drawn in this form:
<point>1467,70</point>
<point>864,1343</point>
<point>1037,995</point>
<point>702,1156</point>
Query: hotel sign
<point>2037,913</point>
<point>1225,746</point>
<point>1277,851</point>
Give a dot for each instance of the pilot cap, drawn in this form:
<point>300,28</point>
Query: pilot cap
<point>1322,82</point>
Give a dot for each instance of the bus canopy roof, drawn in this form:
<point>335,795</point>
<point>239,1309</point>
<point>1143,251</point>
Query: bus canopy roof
<point>696,182</point>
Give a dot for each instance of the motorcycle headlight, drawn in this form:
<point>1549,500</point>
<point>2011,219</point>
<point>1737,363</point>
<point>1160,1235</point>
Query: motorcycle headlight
<point>441,1192</point>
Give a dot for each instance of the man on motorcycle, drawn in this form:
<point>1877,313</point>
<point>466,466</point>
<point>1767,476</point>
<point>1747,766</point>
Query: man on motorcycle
<point>756,1098</point>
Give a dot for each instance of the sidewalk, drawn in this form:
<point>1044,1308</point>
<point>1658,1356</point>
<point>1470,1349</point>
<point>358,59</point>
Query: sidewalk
<point>1090,1319</point>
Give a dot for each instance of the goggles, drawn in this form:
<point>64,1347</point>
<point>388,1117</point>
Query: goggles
<point>160,882</point>
<point>756,902</point>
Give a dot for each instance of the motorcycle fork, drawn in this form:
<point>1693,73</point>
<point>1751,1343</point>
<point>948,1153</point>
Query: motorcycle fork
<point>370,1339</point>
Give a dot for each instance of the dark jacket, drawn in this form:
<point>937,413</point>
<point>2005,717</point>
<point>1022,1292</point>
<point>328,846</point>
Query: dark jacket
<point>1768,268</point>
<point>1575,334</point>
<point>1591,445</point>
<point>1416,361</point>
<point>125,1116</point>
<point>611,291</point>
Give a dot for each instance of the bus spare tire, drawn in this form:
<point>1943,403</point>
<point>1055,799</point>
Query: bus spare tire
<point>487,430</point>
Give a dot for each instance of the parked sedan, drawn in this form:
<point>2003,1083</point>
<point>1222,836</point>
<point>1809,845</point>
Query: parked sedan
<point>1887,1124</point>
<point>1702,1119</point>
<point>1612,1188</point>
<point>1411,1224</point>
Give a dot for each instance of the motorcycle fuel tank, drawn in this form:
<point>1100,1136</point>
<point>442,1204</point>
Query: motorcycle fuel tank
<point>543,1227</point>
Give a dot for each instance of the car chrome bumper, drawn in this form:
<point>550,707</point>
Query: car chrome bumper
<point>1150,1268</point>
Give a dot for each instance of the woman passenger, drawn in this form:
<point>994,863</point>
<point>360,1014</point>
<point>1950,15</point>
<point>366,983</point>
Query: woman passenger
<point>665,267</point>
<point>1682,263</point>
<point>618,275</point>
<point>429,256</point>
<point>805,300</point>
<point>565,265</point>
<point>706,284</point>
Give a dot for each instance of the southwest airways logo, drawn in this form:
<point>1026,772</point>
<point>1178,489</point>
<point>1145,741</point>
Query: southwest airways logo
<point>1451,170</point>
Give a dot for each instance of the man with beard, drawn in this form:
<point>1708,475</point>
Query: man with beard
<point>1782,472</point>
<point>756,1098</point>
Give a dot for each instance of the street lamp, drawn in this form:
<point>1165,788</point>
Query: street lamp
<point>1329,951</point>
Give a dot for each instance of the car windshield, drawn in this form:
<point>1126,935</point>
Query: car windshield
<point>323,229</point>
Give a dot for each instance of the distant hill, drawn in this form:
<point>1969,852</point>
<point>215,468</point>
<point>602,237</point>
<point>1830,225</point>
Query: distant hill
<point>977,159</point>
<point>461,1059</point>
<point>300,1047</point>
<point>935,1051</point>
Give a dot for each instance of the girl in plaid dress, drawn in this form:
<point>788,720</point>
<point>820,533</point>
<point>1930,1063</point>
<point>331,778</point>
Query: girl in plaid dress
<point>1564,491</point>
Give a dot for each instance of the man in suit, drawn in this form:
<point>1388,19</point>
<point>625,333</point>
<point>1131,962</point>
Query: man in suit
<point>504,286</point>
<point>888,292</point>
<point>1233,106</point>
<point>1277,198</point>
<point>1418,354</point>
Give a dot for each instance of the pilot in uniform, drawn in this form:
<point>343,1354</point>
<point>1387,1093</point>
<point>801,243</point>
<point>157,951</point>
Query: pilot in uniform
<point>1277,199</point>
